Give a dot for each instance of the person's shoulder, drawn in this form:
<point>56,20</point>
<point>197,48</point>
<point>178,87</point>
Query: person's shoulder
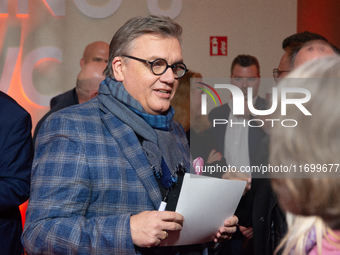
<point>86,108</point>
<point>220,108</point>
<point>55,100</point>
<point>88,112</point>
<point>327,249</point>
<point>10,107</point>
<point>68,100</point>
<point>261,103</point>
<point>69,92</point>
<point>72,120</point>
<point>224,108</point>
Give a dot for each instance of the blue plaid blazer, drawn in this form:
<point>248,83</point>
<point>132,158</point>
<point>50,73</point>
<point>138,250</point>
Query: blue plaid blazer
<point>90,174</point>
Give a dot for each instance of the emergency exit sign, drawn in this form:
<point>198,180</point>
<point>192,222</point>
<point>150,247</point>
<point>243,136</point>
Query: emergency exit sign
<point>218,46</point>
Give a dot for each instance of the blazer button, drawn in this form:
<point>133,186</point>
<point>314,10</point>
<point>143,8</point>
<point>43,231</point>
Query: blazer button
<point>261,219</point>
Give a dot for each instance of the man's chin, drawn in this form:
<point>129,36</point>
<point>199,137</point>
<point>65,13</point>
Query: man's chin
<point>163,110</point>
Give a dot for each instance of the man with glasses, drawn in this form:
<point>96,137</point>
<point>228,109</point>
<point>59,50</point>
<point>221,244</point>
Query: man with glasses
<point>101,168</point>
<point>290,45</point>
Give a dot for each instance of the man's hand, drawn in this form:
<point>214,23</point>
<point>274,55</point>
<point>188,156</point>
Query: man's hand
<point>225,232</point>
<point>149,228</point>
<point>247,232</point>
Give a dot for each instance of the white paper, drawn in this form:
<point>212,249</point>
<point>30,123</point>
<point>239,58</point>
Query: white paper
<point>205,203</point>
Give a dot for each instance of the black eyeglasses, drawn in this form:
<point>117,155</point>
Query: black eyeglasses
<point>277,73</point>
<point>159,66</point>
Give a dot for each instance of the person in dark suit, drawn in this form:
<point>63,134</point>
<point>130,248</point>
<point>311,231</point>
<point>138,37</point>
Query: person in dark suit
<point>94,52</point>
<point>255,134</point>
<point>238,143</point>
<point>88,81</point>
<point>16,155</point>
<point>245,72</point>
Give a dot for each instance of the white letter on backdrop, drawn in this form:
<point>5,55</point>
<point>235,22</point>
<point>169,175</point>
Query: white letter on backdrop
<point>98,12</point>
<point>4,6</point>
<point>173,12</point>
<point>22,7</point>
<point>27,72</point>
<point>57,7</point>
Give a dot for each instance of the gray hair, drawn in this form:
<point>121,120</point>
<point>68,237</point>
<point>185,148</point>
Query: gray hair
<point>136,27</point>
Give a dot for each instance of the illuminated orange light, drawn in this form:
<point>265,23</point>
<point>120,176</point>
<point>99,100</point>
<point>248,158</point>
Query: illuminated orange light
<point>16,89</point>
<point>48,8</point>
<point>23,208</point>
<point>22,15</point>
<point>45,59</point>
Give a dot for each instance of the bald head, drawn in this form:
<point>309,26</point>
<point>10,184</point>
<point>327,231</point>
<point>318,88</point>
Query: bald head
<point>88,80</point>
<point>312,50</point>
<point>95,52</point>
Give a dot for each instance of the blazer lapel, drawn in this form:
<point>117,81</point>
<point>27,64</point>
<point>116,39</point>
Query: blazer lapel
<point>130,146</point>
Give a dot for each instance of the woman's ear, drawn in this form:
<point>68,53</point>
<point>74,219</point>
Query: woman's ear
<point>117,67</point>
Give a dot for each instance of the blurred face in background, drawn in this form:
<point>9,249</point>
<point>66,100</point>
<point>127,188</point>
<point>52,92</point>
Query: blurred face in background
<point>284,67</point>
<point>95,52</point>
<point>244,77</point>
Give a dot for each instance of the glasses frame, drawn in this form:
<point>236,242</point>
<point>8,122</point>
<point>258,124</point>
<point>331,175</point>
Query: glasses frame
<point>277,72</point>
<point>151,63</point>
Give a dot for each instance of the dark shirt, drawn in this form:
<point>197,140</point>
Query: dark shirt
<point>55,100</point>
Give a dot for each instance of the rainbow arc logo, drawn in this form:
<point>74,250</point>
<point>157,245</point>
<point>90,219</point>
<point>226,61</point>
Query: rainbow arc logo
<point>209,93</point>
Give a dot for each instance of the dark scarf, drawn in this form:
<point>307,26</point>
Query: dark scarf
<point>153,131</point>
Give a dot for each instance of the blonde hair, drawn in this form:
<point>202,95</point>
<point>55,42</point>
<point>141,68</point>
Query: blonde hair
<point>300,231</point>
<point>182,105</point>
<point>315,140</point>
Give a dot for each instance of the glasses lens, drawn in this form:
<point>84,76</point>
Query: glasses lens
<point>179,70</point>
<point>159,66</point>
